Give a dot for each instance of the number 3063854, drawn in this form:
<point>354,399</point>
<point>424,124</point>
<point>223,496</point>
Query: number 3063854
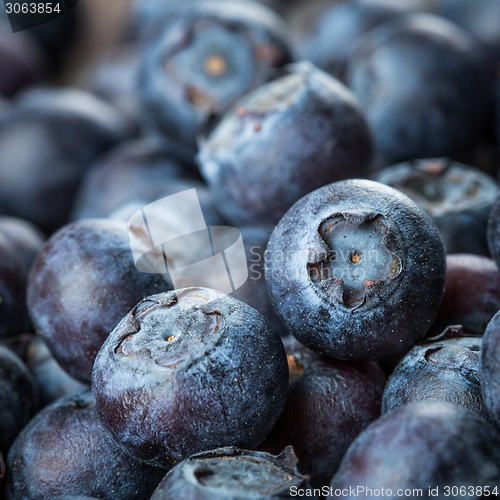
<point>33,8</point>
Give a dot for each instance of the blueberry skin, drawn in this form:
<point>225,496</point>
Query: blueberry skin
<point>141,170</point>
<point>458,198</point>
<point>19,396</point>
<point>20,241</point>
<point>472,294</point>
<point>82,283</point>
<point>113,77</point>
<point>497,114</point>
<point>372,292</point>
<point>14,318</point>
<point>430,70</point>
<point>199,59</point>
<point>47,141</point>
<point>2,475</point>
<point>288,137</point>
<point>331,36</point>
<point>446,370</point>
<point>22,63</point>
<point>329,403</point>
<point>73,497</point>
<point>188,371</point>
<point>493,231</point>
<point>64,450</point>
<point>422,445</point>
<point>489,368</point>
<point>24,237</point>
<point>232,474</point>
<point>479,19</point>
<point>144,13</point>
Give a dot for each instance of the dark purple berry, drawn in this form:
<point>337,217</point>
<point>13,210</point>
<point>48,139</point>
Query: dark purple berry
<point>82,283</point>
<point>288,137</point>
<point>356,271</point>
<point>233,474</point>
<point>457,197</point>
<point>329,403</point>
<point>420,81</point>
<point>442,370</point>
<point>18,394</point>
<point>489,368</point>
<point>136,172</point>
<point>64,450</point>
<point>47,141</point>
<point>419,447</point>
<point>201,58</point>
<point>471,296</point>
<point>188,371</point>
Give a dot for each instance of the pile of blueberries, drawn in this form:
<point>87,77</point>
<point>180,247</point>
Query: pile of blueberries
<point>355,145</point>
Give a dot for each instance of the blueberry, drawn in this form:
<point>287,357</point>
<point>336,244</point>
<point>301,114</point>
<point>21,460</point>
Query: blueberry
<point>446,370</point>
<point>489,368</point>
<point>420,446</point>
<point>64,450</point>
<point>356,270</point>
<point>139,171</point>
<point>233,474</point>
<point>457,197</point>
<point>283,140</point>
<point>329,403</point>
<point>420,81</point>
<point>47,140</point>
<point>329,38</point>
<point>200,59</point>
<point>188,371</point>
<point>19,396</point>
<point>472,293</point>
<point>82,283</point>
